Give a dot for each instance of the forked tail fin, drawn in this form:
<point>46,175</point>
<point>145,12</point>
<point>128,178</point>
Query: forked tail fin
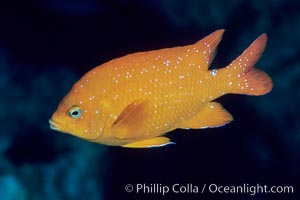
<point>243,77</point>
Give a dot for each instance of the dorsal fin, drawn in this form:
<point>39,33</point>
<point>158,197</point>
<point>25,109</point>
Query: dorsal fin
<point>203,52</point>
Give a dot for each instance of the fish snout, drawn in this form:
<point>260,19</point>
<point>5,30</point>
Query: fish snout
<point>55,125</point>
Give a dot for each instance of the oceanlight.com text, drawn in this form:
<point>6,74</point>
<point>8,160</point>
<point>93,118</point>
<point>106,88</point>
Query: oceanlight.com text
<point>190,188</point>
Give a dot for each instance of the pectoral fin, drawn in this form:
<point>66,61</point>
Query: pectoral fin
<point>212,115</point>
<point>152,142</point>
<point>131,120</point>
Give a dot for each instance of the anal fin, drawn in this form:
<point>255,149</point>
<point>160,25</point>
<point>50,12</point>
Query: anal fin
<point>212,115</point>
<point>151,142</point>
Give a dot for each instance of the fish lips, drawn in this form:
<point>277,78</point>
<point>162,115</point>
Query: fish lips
<point>55,125</point>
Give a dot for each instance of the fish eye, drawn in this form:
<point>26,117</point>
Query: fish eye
<point>75,112</point>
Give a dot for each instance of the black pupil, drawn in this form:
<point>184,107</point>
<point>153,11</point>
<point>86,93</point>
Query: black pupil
<point>75,113</point>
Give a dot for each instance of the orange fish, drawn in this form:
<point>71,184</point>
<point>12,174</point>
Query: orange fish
<point>134,100</point>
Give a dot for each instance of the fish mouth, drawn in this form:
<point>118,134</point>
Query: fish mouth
<point>55,125</point>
